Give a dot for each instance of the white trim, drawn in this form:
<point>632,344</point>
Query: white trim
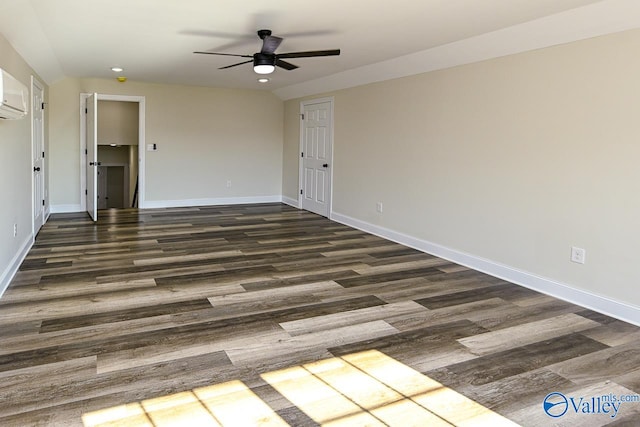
<point>303,104</point>
<point>300,158</point>
<point>291,202</point>
<point>33,181</point>
<point>211,202</point>
<point>153,204</point>
<point>141,100</point>
<point>45,162</point>
<point>35,83</point>
<point>596,19</point>
<point>142,149</point>
<point>83,156</point>
<point>67,209</point>
<point>14,265</point>
<point>608,306</point>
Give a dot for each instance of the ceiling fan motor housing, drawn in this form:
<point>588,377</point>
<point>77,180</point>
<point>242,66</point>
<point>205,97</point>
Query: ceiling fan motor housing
<point>264,59</point>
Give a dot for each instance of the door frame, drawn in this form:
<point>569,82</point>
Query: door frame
<point>91,172</point>
<point>141,142</point>
<point>46,209</point>
<point>303,104</point>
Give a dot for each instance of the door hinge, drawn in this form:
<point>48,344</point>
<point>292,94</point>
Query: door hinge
<point>43,104</point>
<point>302,154</point>
<point>86,192</point>
<point>86,111</point>
<point>300,191</point>
<point>42,202</point>
<point>86,152</point>
<point>43,154</point>
<point>302,116</point>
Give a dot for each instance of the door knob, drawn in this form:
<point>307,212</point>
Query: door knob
<point>36,169</point>
<point>326,165</point>
<point>91,163</point>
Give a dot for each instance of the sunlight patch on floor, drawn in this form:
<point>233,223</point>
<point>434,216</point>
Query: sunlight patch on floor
<point>365,388</point>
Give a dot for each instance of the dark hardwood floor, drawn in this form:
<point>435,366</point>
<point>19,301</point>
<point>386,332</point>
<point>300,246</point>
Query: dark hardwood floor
<point>268,315</point>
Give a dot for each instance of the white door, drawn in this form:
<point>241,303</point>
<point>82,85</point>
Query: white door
<point>37,151</point>
<point>317,135</point>
<point>92,156</point>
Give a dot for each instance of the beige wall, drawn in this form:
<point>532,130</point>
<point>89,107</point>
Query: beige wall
<point>205,137</point>
<point>16,169</point>
<point>291,150</point>
<point>117,123</point>
<point>512,160</point>
<point>107,154</point>
<point>64,127</point>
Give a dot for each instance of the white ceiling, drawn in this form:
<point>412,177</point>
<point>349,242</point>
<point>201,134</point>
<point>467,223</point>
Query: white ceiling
<point>154,39</point>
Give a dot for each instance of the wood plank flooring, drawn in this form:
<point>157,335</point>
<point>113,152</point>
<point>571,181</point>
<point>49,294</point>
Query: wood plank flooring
<point>268,315</point>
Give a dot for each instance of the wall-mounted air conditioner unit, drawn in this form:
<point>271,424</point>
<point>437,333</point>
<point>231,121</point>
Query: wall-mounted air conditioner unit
<point>13,97</point>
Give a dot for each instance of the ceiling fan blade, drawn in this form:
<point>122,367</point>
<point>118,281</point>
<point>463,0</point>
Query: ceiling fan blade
<point>235,65</point>
<point>224,54</point>
<point>309,54</point>
<point>215,34</point>
<point>286,65</point>
<point>270,44</point>
<point>237,40</point>
<point>312,33</point>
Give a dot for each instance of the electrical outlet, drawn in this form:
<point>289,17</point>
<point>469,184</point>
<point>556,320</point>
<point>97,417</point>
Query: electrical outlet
<point>15,230</point>
<point>228,184</point>
<point>379,207</point>
<point>578,255</point>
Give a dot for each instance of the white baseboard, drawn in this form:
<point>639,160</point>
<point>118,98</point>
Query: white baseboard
<point>66,208</point>
<point>602,304</point>
<point>14,265</point>
<point>291,202</point>
<point>152,204</point>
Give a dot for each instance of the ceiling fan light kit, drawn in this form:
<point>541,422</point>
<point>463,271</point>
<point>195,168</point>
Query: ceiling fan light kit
<point>266,61</point>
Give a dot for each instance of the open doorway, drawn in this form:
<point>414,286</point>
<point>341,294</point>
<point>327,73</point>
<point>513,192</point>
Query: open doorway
<point>112,127</point>
<point>114,181</point>
<point>117,154</point>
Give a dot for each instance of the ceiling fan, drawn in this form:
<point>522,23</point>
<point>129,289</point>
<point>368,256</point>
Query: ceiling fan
<point>265,61</point>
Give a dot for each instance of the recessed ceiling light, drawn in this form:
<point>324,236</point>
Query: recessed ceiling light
<point>263,80</point>
<point>117,69</point>
<point>113,145</point>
